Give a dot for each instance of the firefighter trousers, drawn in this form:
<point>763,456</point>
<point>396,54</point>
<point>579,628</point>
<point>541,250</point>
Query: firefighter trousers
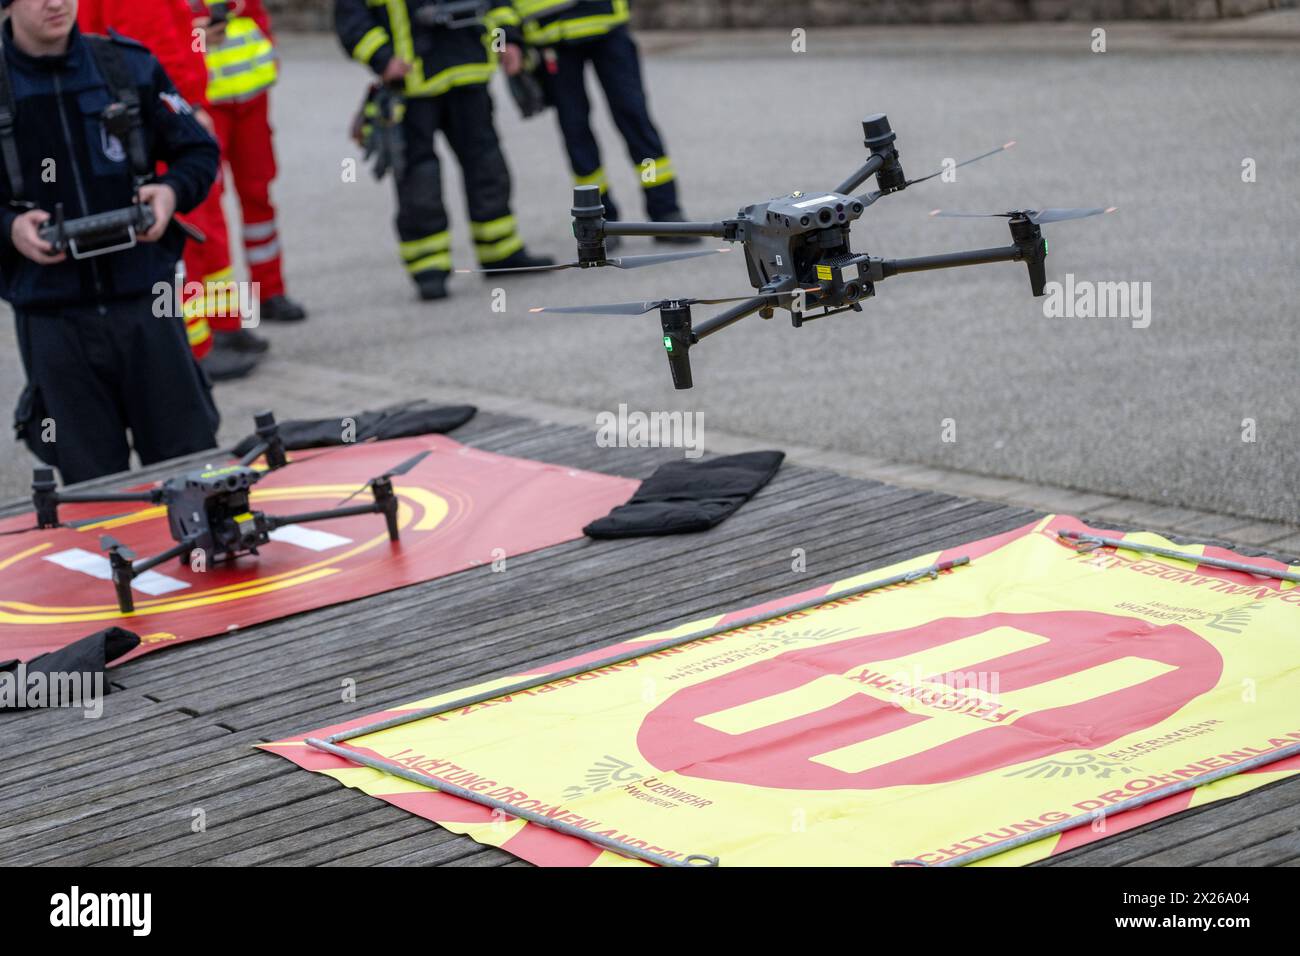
<point>93,372</point>
<point>464,117</point>
<point>617,65</point>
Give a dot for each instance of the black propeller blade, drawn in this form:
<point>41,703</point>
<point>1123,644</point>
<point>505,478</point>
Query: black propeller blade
<point>110,544</point>
<point>393,472</point>
<point>1037,216</point>
<point>618,262</point>
<point>868,198</point>
<point>648,305</point>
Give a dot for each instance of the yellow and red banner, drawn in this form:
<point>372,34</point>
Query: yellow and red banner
<point>919,722</point>
<point>460,508</point>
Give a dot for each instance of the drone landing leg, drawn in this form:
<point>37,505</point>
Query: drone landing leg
<point>123,574</point>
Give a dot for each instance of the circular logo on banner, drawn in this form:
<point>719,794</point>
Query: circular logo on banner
<point>949,699</point>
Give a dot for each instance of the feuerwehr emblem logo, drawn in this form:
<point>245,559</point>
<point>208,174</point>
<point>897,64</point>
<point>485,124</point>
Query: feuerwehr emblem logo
<point>111,145</point>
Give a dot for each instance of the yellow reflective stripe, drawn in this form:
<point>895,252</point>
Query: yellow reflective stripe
<point>369,44</point>
<point>592,179</point>
<point>242,35</point>
<point>534,8</point>
<point>576,28</point>
<point>243,84</point>
<point>399,21</point>
<point>495,229</point>
<point>662,172</point>
<point>496,251</point>
<point>462,74</point>
<point>439,260</point>
<point>503,16</point>
<point>220,295</point>
<point>197,330</point>
<point>413,248</point>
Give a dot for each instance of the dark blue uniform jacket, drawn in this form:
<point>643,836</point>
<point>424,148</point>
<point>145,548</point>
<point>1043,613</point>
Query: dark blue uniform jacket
<point>67,156</point>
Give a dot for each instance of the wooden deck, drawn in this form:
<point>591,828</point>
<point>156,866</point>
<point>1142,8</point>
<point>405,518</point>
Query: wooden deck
<point>178,730</point>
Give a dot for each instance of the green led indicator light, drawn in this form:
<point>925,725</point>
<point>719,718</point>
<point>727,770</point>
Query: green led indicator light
<point>1044,247</point>
<point>668,343</point>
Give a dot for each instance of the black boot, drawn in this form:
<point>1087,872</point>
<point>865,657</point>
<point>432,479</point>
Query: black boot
<point>431,285</point>
<point>676,216</point>
<point>226,366</point>
<point>519,260</point>
<point>240,340</point>
<point>281,308</point>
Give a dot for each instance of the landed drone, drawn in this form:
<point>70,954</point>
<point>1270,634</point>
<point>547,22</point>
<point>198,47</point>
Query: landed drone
<point>208,510</point>
<point>797,250</point>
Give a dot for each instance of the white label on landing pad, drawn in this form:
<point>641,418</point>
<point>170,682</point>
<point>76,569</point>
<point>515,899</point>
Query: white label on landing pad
<point>309,538</point>
<point>98,566</point>
<point>813,202</point>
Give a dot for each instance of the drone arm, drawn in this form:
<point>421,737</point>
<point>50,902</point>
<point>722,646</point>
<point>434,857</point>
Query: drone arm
<point>153,497</point>
<point>279,521</point>
<point>884,268</point>
<point>725,229</point>
<point>864,172</point>
<point>1028,246</point>
<point>175,551</point>
<point>731,316</point>
<point>254,453</point>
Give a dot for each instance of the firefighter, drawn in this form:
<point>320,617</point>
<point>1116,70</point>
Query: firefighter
<point>100,356</point>
<point>443,70</point>
<point>241,68</point>
<point>225,349</point>
<point>571,35</point>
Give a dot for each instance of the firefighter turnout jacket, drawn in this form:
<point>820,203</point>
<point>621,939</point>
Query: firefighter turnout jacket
<point>547,22</point>
<point>374,31</point>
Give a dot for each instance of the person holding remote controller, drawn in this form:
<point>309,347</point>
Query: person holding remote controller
<point>88,244</point>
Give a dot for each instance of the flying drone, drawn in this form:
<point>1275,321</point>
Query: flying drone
<point>797,250</point>
<point>208,509</point>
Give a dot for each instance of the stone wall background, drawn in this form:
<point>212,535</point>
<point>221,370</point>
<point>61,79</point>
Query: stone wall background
<point>724,14</point>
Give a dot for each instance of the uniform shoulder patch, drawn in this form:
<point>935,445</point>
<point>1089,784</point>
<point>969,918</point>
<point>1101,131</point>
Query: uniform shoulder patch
<point>176,103</point>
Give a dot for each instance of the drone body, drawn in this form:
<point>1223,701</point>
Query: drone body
<point>209,508</point>
<point>798,250</point>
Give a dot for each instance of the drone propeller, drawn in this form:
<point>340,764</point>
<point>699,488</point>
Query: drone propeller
<point>110,544</point>
<point>393,472</point>
<point>649,305</point>
<point>868,198</point>
<point>1037,216</point>
<point>618,262</point>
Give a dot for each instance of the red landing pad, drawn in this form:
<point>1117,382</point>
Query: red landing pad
<point>460,508</point>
